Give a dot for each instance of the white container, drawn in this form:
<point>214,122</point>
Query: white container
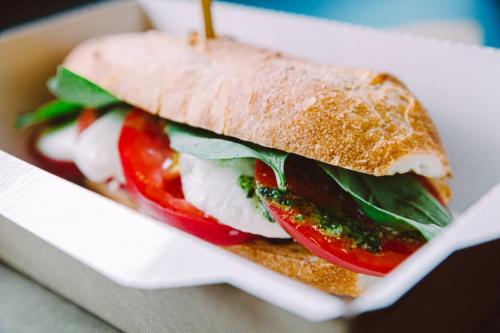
<point>132,271</point>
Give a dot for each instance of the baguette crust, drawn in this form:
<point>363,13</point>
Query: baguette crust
<point>287,258</point>
<point>293,260</point>
<point>356,119</point>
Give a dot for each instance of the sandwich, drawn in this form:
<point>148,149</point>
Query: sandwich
<point>332,176</point>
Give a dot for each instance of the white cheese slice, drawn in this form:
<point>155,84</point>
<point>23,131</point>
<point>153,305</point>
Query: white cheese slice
<point>96,151</point>
<point>213,187</point>
<point>59,144</point>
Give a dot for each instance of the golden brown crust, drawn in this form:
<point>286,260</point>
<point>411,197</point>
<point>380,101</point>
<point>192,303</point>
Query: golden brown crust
<point>103,189</point>
<point>355,119</point>
<point>287,258</point>
<point>442,188</point>
<point>294,261</point>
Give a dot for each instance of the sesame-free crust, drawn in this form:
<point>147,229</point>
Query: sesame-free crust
<point>356,119</point>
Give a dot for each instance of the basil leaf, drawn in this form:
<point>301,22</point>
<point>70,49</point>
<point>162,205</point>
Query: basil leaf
<point>70,87</point>
<point>74,93</point>
<point>399,201</point>
<point>210,146</point>
<point>51,110</point>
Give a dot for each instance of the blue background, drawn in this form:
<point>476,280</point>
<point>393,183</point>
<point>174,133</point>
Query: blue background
<point>391,13</point>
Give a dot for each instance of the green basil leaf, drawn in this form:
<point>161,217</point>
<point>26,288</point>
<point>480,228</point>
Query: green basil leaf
<point>210,146</point>
<point>70,87</point>
<point>399,201</point>
<point>51,110</point>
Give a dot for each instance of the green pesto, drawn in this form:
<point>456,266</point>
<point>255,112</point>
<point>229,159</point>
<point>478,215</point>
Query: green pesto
<point>298,217</point>
<point>274,194</point>
<point>335,222</point>
<point>248,185</point>
<point>264,211</point>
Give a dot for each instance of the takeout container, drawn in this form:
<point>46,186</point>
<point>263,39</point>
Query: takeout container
<point>143,276</point>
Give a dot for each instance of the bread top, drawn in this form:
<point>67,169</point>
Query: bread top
<point>355,119</point>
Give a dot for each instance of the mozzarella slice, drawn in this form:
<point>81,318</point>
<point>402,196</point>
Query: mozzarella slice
<point>212,186</point>
<point>59,144</point>
<point>96,151</point>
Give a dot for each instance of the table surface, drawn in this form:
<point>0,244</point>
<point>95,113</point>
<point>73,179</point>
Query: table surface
<point>28,307</point>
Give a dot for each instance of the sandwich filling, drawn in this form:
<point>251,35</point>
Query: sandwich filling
<point>220,188</point>
<point>228,191</point>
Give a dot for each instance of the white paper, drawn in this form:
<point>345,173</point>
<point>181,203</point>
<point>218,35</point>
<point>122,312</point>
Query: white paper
<point>458,84</point>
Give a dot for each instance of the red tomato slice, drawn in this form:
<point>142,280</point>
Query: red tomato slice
<point>432,190</point>
<point>85,119</point>
<point>313,190</point>
<point>153,180</point>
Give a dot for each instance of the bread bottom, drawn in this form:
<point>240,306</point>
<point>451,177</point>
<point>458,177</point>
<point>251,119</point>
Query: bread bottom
<point>285,257</point>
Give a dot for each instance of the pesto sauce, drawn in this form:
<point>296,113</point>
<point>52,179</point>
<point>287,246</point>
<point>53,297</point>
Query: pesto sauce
<point>339,222</point>
<point>248,185</point>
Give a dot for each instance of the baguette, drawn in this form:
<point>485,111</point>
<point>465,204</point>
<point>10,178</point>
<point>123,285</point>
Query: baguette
<point>285,257</point>
<point>355,119</point>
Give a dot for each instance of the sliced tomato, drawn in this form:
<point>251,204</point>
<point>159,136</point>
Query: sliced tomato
<point>153,180</point>
<point>431,188</point>
<point>310,196</point>
<point>86,118</point>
